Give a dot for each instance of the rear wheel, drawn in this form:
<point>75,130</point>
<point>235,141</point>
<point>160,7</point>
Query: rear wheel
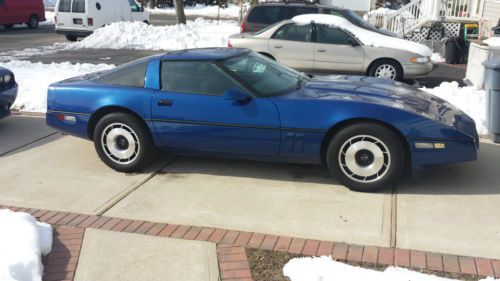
<point>33,22</point>
<point>123,142</point>
<point>366,157</point>
<point>71,38</point>
<point>386,69</point>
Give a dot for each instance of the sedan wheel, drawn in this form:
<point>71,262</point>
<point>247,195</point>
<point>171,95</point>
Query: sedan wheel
<point>366,157</point>
<point>123,142</point>
<point>386,71</point>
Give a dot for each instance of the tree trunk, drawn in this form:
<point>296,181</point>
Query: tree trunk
<point>179,11</point>
<point>152,4</point>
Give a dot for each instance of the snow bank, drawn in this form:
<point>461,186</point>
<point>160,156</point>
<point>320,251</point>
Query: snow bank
<point>367,37</point>
<point>469,100</point>
<point>232,11</point>
<point>22,241</point>
<point>326,269</point>
<point>34,79</point>
<point>436,58</point>
<point>140,36</point>
<point>493,41</point>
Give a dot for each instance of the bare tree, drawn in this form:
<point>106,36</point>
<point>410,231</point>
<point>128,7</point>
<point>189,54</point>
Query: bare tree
<point>179,11</point>
<point>152,4</point>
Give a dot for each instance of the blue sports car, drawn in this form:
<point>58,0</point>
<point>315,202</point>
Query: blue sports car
<point>8,91</point>
<point>236,103</point>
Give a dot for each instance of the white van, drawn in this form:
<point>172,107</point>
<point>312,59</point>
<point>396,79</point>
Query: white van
<point>79,18</point>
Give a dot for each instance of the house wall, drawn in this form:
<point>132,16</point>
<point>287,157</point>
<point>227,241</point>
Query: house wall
<point>491,14</point>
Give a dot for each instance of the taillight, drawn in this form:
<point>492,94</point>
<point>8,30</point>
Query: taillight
<point>90,21</point>
<point>242,29</point>
<point>229,44</point>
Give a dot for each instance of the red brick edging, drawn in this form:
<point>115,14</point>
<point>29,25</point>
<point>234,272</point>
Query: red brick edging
<point>233,262</point>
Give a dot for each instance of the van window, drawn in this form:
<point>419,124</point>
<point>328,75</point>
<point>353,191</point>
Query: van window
<point>132,74</point>
<point>78,6</point>
<point>133,6</point>
<point>296,11</point>
<point>64,6</point>
<point>266,14</point>
<point>333,12</point>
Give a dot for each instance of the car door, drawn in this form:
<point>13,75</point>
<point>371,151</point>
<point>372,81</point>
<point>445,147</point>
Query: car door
<point>292,46</point>
<point>191,114</point>
<point>335,51</point>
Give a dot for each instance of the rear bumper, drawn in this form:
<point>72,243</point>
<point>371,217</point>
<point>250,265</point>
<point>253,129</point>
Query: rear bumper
<point>7,98</point>
<point>73,32</point>
<point>415,70</point>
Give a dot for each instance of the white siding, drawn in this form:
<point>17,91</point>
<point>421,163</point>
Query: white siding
<point>491,12</point>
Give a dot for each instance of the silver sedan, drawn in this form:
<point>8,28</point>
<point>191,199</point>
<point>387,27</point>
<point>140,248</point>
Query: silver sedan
<point>322,48</point>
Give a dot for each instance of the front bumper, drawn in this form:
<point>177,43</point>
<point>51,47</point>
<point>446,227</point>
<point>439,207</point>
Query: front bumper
<point>416,70</point>
<point>454,151</point>
<point>7,98</point>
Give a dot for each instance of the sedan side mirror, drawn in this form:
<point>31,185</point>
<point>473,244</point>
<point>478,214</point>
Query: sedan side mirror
<point>237,95</point>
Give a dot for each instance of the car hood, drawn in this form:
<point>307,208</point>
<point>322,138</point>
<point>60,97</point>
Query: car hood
<point>387,93</point>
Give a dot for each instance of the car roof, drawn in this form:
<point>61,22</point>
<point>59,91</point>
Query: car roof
<point>205,54</point>
<point>301,5</point>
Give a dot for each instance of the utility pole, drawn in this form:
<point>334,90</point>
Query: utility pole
<point>179,11</point>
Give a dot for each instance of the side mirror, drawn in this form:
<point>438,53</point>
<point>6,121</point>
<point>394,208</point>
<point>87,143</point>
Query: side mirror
<point>237,95</point>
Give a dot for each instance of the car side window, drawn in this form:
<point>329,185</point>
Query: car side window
<point>132,74</point>
<point>266,14</point>
<point>332,12</point>
<point>133,6</point>
<point>296,11</point>
<point>78,6</point>
<point>331,35</point>
<point>64,6</point>
<point>195,77</point>
<point>294,32</point>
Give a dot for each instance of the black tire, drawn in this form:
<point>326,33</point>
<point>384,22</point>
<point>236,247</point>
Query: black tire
<point>130,128</point>
<point>33,22</point>
<point>8,26</point>
<point>390,65</point>
<point>362,157</point>
<point>71,38</point>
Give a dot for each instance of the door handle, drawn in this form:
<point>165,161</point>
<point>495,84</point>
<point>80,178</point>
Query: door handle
<point>165,102</point>
<point>278,46</point>
<point>321,51</point>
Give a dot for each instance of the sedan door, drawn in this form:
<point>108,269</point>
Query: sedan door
<point>191,114</point>
<point>335,51</point>
<point>292,46</point>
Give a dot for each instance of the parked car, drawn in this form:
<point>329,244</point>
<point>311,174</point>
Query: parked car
<point>263,15</point>
<point>31,12</point>
<point>79,18</point>
<point>232,102</point>
<point>331,44</point>
<point>8,91</point>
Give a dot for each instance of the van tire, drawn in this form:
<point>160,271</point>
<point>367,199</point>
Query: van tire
<point>71,38</point>
<point>8,26</point>
<point>33,22</point>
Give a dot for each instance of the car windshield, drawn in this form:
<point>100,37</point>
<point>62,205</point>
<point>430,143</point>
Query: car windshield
<point>264,75</point>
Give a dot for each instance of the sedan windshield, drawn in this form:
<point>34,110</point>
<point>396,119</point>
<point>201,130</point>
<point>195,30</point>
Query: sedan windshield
<point>264,75</point>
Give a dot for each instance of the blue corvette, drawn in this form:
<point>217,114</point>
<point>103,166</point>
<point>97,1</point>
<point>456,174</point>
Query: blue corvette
<point>8,91</point>
<point>236,103</point>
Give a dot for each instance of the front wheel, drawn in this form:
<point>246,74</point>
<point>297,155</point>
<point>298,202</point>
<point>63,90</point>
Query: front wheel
<point>71,38</point>
<point>387,69</point>
<point>33,22</point>
<point>123,142</point>
<point>366,157</point>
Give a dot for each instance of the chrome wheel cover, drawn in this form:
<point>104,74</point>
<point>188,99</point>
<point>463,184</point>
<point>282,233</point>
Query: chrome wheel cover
<point>120,143</point>
<point>386,71</point>
<point>364,158</point>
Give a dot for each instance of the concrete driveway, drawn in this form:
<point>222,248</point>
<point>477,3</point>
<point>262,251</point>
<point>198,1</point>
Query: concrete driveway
<point>451,209</point>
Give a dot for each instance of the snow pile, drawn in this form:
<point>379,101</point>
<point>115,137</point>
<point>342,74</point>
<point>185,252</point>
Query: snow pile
<point>436,58</point>
<point>326,269</point>
<point>367,37</point>
<point>34,78</point>
<point>469,100</point>
<point>140,36</point>
<point>22,241</point>
<point>49,16</point>
<point>378,13</point>
<point>232,11</point>
<point>493,41</point>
